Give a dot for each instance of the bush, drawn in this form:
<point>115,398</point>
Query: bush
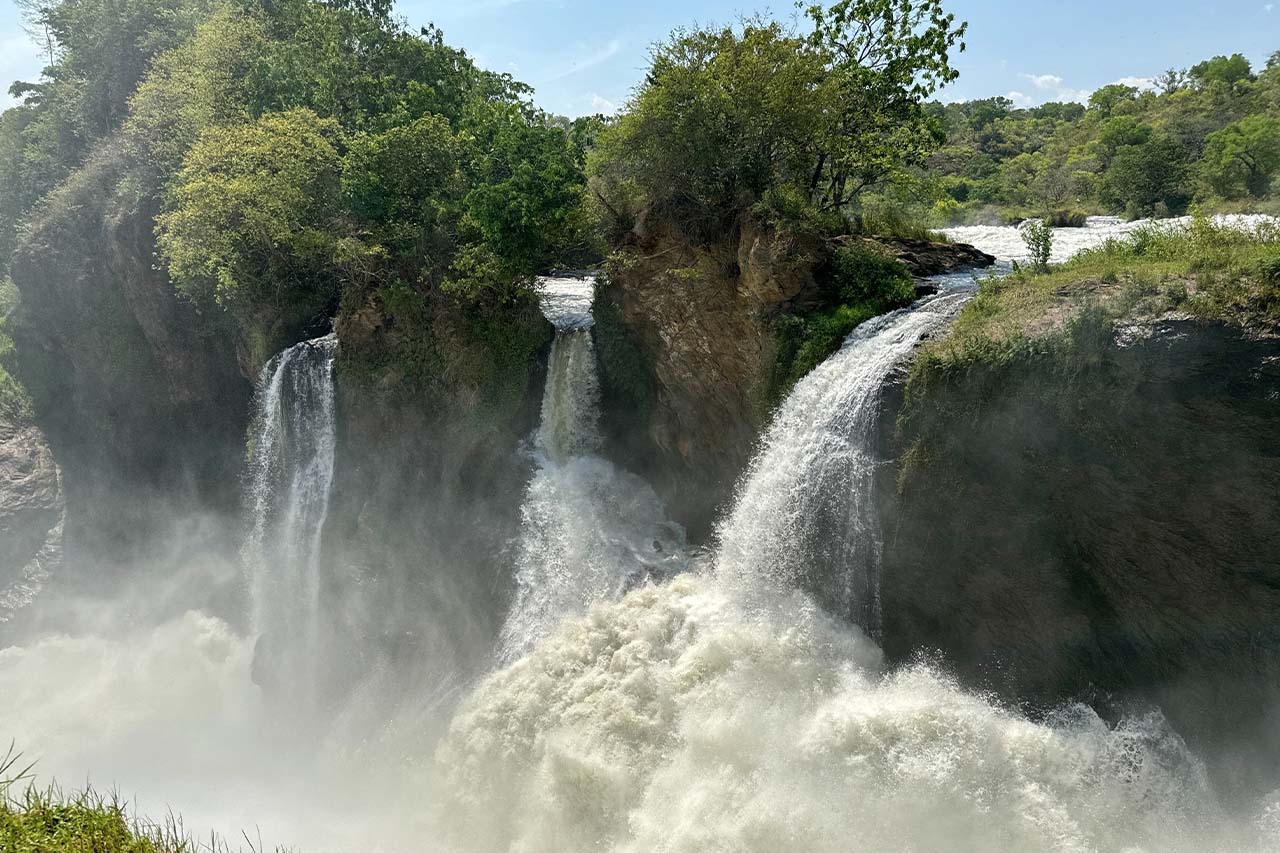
<point>857,285</point>
<point>1038,236</point>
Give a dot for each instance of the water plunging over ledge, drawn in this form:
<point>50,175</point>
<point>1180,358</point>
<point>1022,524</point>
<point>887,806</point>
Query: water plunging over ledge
<point>589,530</point>
<point>291,466</point>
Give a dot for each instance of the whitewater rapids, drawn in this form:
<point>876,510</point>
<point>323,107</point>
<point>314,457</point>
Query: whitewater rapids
<point>675,720</point>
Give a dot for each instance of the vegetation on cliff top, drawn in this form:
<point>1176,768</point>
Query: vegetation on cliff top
<point>300,151</point>
<point>859,284</point>
<point>1207,269</point>
<point>803,122</point>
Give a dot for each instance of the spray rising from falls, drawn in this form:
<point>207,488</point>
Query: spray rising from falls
<point>728,710</point>
<point>291,471</point>
<point>589,531</point>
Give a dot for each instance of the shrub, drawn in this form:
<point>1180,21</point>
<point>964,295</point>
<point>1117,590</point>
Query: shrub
<point>1038,236</point>
<point>857,285</point>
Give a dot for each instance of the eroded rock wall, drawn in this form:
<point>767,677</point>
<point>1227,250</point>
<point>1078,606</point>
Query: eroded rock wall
<point>1103,523</point>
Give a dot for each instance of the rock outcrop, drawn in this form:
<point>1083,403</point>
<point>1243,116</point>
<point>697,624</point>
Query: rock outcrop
<point>686,339</point>
<point>430,478</point>
<point>142,403</point>
<point>1099,522</point>
<point>31,509</point>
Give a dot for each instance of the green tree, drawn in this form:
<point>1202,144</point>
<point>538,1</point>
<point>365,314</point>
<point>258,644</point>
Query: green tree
<point>1242,158</point>
<point>253,219</point>
<point>1109,99</point>
<point>1147,179</point>
<point>1225,70</point>
<point>728,116</point>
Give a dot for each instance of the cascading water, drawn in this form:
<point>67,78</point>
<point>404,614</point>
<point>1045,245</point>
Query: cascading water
<point>805,513</point>
<point>724,709</point>
<point>589,531</point>
<point>291,475</point>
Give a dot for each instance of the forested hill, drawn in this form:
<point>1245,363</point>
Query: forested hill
<point>1207,136</point>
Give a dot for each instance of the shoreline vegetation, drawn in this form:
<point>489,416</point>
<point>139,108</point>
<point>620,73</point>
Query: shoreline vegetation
<point>47,819</point>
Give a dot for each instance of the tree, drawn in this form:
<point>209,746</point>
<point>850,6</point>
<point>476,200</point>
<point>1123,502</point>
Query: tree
<point>883,58</point>
<point>1107,99</point>
<point>1147,179</point>
<point>253,218</point>
<point>1225,70</point>
<point>1172,81</point>
<point>727,116</point>
<point>1243,157</point>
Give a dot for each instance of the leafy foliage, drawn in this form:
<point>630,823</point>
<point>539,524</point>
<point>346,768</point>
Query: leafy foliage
<point>728,117</point>
<point>1037,234</point>
<point>858,285</point>
<point>1209,135</point>
<point>253,220</point>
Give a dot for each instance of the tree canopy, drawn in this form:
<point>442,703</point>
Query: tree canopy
<point>728,117</point>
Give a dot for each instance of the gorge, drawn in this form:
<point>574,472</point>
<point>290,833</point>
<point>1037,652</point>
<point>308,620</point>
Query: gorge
<point>387,464</point>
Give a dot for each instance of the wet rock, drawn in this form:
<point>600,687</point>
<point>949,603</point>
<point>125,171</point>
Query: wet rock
<point>31,507</point>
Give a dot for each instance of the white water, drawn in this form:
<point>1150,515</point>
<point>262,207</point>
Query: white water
<point>291,475</point>
<point>589,530</point>
<point>726,711</point>
<point>720,710</point>
<point>807,504</point>
<point>1006,242</point>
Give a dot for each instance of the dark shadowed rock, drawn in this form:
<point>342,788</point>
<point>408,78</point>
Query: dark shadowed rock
<point>1103,526</point>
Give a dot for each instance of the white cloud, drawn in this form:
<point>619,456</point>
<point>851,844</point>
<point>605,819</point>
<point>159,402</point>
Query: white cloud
<point>1268,7</point>
<point>1056,89</point>
<point>1140,83</point>
<point>603,105</point>
<point>1020,100</point>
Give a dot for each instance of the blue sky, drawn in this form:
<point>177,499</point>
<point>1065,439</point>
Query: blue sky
<point>585,56</point>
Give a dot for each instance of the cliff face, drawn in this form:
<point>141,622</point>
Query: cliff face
<point>687,343</point>
<point>143,406</point>
<point>430,477</point>
<point>31,509</point>
<point>684,336</point>
<point>1099,522</point>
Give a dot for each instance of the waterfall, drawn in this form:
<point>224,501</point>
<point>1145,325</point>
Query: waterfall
<point>589,531</point>
<point>291,474</point>
<point>805,513</point>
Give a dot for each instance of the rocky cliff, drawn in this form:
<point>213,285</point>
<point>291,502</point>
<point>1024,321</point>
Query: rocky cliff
<point>434,401</point>
<point>687,338</point>
<point>31,511</point>
<point>142,403</point>
<point>1094,517</point>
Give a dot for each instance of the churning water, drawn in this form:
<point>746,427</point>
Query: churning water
<point>721,709</point>
<point>589,530</point>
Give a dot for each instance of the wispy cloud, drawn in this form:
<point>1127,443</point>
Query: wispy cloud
<point>590,60</point>
<point>1142,83</point>
<point>1019,99</point>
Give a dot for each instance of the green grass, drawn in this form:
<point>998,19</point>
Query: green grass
<point>47,820</point>
<point>1205,270</point>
